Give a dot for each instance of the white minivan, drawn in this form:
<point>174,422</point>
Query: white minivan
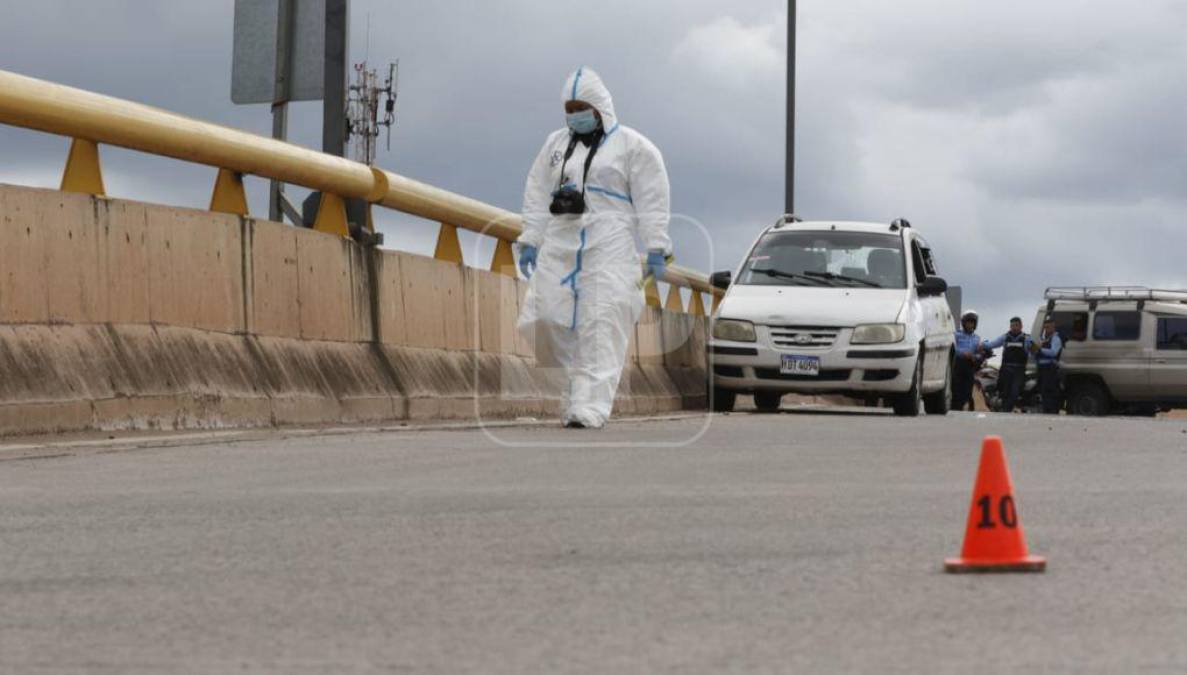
<point>829,307</point>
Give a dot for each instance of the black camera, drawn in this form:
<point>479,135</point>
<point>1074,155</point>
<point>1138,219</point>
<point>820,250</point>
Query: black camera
<point>567,201</point>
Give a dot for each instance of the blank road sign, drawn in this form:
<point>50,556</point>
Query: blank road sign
<point>253,60</point>
<point>955,299</point>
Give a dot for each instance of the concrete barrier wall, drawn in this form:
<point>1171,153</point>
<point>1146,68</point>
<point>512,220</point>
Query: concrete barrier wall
<point>117,314</point>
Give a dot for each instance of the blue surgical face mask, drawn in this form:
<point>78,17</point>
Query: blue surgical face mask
<point>582,122</point>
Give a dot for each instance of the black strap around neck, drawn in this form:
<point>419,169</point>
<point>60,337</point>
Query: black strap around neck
<point>594,143</point>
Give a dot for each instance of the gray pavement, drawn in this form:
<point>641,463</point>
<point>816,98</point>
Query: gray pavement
<point>782,543</point>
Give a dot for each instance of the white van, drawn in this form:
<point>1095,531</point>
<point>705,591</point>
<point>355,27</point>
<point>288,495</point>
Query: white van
<point>834,308</point>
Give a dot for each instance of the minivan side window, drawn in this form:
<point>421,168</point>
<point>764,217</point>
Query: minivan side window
<point>1116,326</point>
<point>1071,326</point>
<point>929,261</point>
<point>1172,333</point>
<point>925,263</point>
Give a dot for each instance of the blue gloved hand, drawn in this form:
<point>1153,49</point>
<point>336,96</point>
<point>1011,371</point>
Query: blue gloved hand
<point>656,263</point>
<point>527,260</point>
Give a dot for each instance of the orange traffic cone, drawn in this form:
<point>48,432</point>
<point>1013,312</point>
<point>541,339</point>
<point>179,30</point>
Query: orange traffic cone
<point>993,539</point>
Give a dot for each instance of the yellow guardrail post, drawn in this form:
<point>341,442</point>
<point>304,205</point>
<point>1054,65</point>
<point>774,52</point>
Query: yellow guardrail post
<point>674,303</point>
<point>370,224</point>
<point>696,306</point>
<point>651,292</point>
<point>331,215</point>
<point>503,261</point>
<point>83,172</point>
<point>228,195</point>
<point>448,248</point>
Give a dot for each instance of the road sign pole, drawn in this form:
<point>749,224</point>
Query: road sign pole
<point>789,176</point>
<point>286,18</point>
<point>276,188</point>
<point>333,139</point>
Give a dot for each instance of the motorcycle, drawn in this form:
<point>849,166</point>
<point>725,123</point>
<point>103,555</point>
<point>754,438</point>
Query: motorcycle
<point>1029,400</point>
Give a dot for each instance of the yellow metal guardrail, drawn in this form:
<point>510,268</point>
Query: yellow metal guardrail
<point>91,119</point>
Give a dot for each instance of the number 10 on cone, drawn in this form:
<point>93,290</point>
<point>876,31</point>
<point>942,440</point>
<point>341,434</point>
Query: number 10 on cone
<point>993,539</point>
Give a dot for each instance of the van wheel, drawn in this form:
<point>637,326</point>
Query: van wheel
<point>940,402</point>
<point>1089,399</point>
<point>910,403</point>
<point>768,401</point>
<point>722,400</point>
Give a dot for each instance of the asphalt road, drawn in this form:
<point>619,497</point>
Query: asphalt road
<point>782,543</point>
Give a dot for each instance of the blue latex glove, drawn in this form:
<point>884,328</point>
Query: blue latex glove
<point>527,260</point>
<point>656,263</point>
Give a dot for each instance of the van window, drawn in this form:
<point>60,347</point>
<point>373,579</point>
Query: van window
<point>1115,326</point>
<point>1172,333</point>
<point>1071,326</point>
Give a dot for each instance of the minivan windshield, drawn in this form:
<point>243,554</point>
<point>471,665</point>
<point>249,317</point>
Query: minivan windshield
<point>826,258</point>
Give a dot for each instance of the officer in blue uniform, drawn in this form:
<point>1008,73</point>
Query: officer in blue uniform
<point>968,359</point>
<point>1015,355</point>
<point>1047,349</point>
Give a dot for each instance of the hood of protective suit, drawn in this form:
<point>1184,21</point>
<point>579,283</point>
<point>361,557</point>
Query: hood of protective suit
<point>584,84</point>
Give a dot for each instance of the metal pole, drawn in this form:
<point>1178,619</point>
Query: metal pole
<point>333,138</point>
<point>789,185</point>
<point>286,18</point>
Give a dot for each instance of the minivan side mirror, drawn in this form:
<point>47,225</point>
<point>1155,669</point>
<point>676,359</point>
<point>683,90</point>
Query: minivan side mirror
<point>932,286</point>
<point>721,279</point>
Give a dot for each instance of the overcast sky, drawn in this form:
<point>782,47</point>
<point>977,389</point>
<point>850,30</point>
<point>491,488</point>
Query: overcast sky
<point>1032,143</point>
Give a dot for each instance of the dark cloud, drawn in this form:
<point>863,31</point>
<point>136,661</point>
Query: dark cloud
<point>1107,139</point>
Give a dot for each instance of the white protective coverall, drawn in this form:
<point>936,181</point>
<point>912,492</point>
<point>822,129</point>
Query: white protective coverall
<point>585,296</point>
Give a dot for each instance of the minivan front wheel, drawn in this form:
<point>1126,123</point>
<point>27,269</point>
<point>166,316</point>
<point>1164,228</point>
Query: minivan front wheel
<point>910,403</point>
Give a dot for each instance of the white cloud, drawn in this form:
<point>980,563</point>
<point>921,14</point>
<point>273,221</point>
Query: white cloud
<point>734,55</point>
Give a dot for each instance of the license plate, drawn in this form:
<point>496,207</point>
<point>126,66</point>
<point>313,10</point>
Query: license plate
<point>800,365</point>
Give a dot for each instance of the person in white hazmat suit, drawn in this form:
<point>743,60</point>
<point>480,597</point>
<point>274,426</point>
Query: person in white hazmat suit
<point>595,186</point>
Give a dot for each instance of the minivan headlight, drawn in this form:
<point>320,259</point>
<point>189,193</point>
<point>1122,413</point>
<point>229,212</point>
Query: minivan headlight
<point>878,333</point>
<point>733,330</point>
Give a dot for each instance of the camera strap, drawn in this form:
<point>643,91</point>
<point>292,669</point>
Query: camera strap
<point>594,144</point>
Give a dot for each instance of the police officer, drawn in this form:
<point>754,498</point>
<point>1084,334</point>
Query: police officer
<point>1015,355</point>
<point>1047,349</point>
<point>968,348</point>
